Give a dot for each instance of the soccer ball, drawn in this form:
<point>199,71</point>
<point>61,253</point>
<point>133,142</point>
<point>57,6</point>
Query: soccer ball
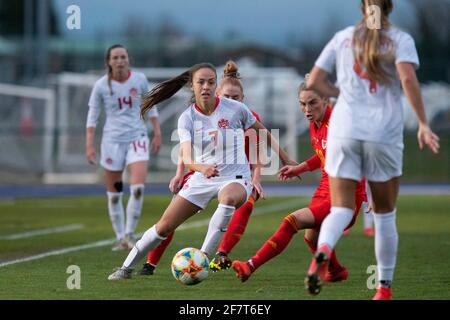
<point>190,266</point>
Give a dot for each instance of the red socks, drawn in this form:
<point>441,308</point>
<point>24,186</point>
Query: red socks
<point>156,254</point>
<point>334,263</point>
<point>236,227</point>
<point>277,243</point>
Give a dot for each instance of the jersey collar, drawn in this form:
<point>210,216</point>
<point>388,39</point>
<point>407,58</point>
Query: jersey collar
<point>128,77</point>
<point>215,107</point>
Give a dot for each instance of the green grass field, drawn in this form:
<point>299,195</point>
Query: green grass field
<point>422,269</point>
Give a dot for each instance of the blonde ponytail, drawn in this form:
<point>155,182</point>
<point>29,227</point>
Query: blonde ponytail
<point>369,43</point>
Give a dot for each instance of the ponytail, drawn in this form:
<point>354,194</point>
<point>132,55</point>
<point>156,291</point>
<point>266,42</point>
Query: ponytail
<point>168,88</point>
<point>163,91</point>
<point>367,43</point>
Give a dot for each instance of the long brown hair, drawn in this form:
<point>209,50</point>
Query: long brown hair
<point>367,42</point>
<point>168,88</point>
<point>108,67</point>
<point>231,76</point>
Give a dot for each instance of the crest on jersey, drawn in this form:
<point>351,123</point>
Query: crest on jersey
<point>324,144</point>
<point>223,123</point>
<point>133,92</point>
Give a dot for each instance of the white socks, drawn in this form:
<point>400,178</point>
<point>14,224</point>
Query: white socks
<point>217,227</point>
<point>116,214</point>
<point>334,225</point>
<point>386,243</point>
<point>150,240</point>
<point>368,216</point>
<point>134,207</point>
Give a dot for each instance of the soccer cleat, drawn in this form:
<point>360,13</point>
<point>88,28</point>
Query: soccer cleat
<point>318,270</point>
<point>346,232</point>
<point>147,270</point>
<point>383,294</point>
<point>220,262</point>
<point>369,232</point>
<point>243,270</point>
<point>121,244</point>
<point>340,274</point>
<point>121,273</point>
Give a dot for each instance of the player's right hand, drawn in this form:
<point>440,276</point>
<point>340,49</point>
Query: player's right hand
<point>175,184</point>
<point>90,155</point>
<point>210,171</point>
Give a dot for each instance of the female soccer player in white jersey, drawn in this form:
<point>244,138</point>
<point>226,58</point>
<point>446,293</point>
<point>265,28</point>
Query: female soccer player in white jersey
<point>373,60</point>
<point>124,141</point>
<point>213,127</point>
<point>229,87</point>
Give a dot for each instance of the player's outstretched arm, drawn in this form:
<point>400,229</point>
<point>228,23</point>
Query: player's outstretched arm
<point>411,87</point>
<point>273,143</point>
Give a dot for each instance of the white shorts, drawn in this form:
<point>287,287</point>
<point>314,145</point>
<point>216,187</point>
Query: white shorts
<point>200,190</point>
<point>115,156</point>
<point>354,159</point>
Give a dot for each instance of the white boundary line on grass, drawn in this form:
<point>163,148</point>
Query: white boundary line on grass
<point>33,233</point>
<point>188,225</point>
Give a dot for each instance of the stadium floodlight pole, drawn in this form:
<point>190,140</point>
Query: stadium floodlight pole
<point>42,45</point>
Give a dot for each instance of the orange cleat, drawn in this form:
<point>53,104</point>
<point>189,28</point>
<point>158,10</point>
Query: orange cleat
<point>369,232</point>
<point>242,269</point>
<point>346,232</point>
<point>383,294</point>
<point>337,275</point>
<point>318,270</point>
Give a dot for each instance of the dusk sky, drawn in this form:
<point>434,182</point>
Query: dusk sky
<point>265,21</point>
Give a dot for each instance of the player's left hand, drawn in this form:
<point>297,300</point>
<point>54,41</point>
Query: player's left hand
<point>156,143</point>
<point>289,171</point>
<point>427,137</point>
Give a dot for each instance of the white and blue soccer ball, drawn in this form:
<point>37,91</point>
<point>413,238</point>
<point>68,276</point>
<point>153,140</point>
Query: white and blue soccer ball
<point>190,266</point>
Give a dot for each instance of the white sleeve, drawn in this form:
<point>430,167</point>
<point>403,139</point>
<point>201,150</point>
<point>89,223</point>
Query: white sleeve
<point>327,59</point>
<point>185,128</point>
<point>406,51</point>
<point>153,113</point>
<point>94,107</point>
<point>248,119</point>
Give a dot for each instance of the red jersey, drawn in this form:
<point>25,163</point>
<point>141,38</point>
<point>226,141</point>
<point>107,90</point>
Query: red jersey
<point>319,145</point>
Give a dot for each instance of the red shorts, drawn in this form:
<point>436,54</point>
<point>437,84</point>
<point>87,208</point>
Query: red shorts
<point>321,206</point>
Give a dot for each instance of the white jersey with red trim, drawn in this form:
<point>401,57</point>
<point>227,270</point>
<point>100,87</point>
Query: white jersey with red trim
<point>366,110</point>
<point>122,107</point>
<point>219,138</point>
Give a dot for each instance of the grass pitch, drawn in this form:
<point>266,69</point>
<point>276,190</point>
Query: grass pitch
<point>422,267</point>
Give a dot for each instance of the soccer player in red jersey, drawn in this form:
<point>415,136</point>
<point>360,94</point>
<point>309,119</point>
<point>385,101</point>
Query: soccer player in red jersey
<point>316,109</point>
<point>230,87</point>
